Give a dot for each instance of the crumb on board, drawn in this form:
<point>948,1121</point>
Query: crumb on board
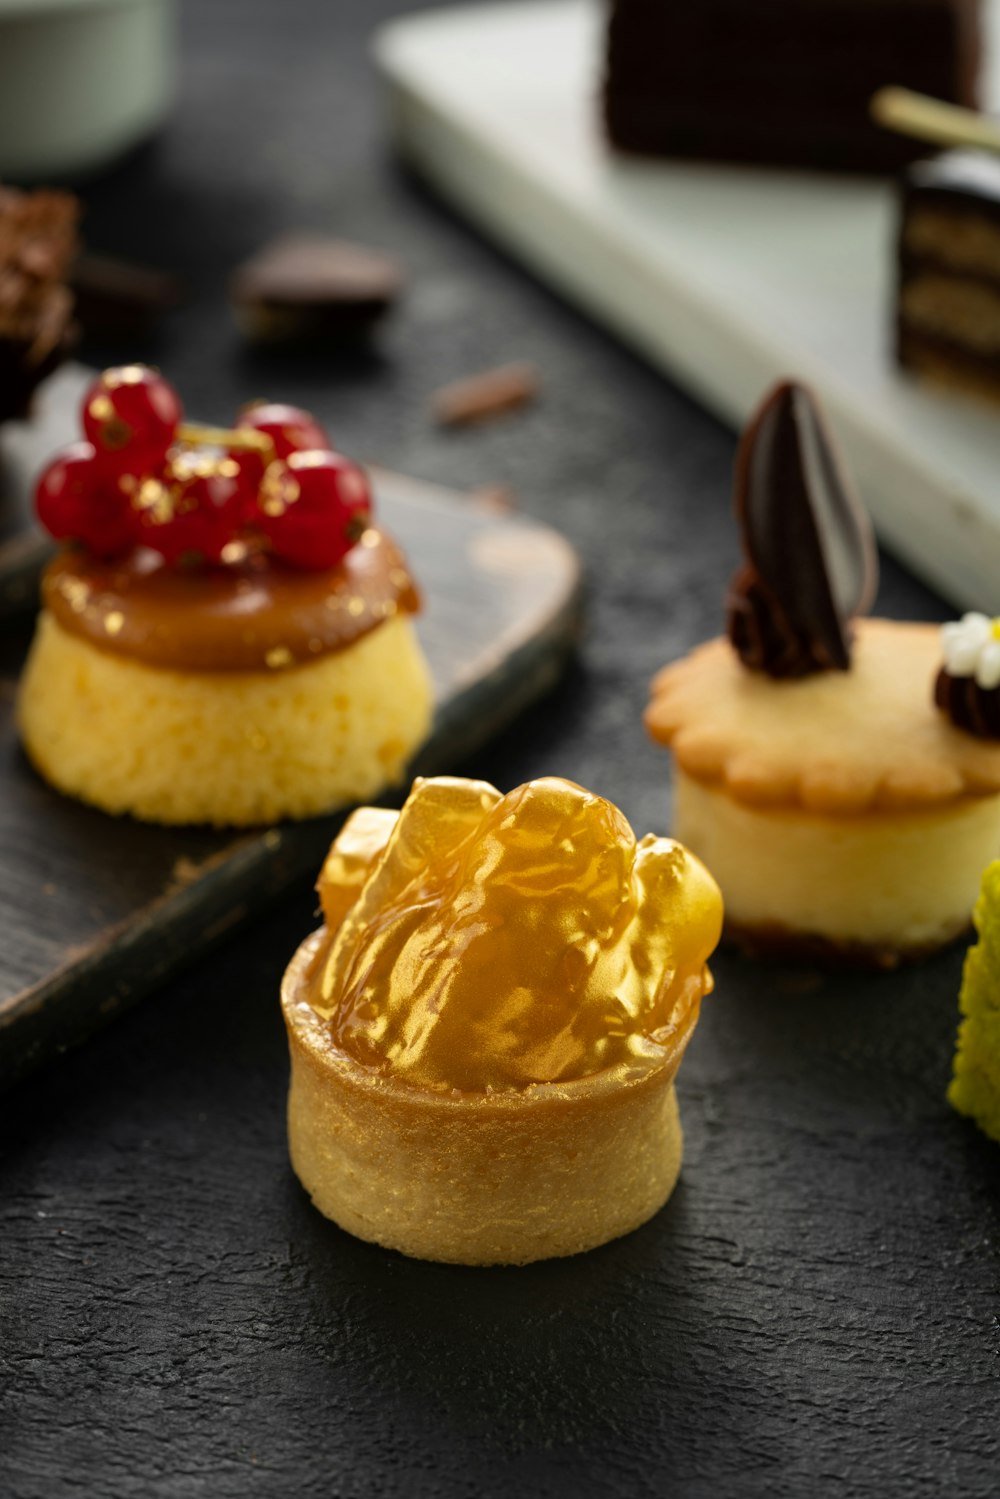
<point>184,872</point>
<point>498,499</point>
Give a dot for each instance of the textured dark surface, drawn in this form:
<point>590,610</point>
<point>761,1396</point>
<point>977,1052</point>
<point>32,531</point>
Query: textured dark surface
<point>814,1312</point>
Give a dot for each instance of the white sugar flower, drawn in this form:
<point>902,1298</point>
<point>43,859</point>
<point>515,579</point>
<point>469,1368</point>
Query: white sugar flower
<point>972,649</point>
<point>988,666</point>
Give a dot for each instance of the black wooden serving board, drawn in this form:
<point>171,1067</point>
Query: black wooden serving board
<point>96,910</point>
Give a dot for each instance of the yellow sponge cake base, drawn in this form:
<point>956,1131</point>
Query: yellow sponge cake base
<point>229,748</point>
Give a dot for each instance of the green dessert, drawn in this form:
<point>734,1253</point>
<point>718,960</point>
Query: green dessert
<point>975,1087</point>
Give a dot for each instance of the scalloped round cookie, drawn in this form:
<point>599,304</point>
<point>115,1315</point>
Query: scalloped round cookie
<point>836,743</point>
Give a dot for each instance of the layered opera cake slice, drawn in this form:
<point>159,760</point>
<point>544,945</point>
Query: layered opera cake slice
<point>948,316</point>
<point>785,82</point>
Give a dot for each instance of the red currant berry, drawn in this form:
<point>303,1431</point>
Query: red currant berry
<point>289,428</point>
<point>130,414</point>
<point>249,467</point>
<point>314,507</point>
<point>75,502</point>
<point>191,510</point>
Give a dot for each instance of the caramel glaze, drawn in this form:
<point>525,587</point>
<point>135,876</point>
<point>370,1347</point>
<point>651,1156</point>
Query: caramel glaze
<point>253,614</point>
<point>488,943</point>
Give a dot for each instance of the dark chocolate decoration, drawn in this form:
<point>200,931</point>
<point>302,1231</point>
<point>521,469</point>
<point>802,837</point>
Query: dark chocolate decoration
<point>811,564</point>
<point>308,288</point>
<point>969,706</point>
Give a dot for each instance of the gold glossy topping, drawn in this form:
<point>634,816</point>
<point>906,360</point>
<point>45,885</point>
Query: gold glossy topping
<point>359,843</point>
<point>254,614</point>
<point>488,943</point>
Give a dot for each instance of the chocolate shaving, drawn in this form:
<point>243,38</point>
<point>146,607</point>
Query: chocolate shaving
<point>478,398</point>
<point>811,564</point>
<point>969,706</point>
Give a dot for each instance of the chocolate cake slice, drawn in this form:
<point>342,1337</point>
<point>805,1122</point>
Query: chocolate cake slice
<point>786,82</point>
<point>948,306</point>
<point>38,242</point>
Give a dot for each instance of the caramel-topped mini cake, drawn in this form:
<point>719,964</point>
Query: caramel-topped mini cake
<point>485,1033</point>
<point>228,638</point>
<point>841,812</point>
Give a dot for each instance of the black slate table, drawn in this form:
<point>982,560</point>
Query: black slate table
<point>815,1311</point>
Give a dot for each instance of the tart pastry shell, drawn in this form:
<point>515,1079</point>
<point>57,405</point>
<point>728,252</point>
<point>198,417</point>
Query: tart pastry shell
<point>474,1179</point>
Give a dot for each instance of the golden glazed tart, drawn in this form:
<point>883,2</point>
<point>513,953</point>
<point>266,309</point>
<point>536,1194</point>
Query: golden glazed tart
<point>219,643</point>
<point>842,813</point>
<point>485,1033</point>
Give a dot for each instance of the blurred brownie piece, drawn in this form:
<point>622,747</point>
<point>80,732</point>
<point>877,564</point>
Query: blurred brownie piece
<point>38,241</point>
<point>786,82</point>
<point>307,288</point>
<point>119,300</point>
<point>948,308</point>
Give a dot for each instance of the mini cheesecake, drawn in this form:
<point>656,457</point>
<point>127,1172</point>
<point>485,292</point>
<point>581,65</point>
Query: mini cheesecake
<point>486,1031</point>
<point>842,813</point>
<point>838,811</point>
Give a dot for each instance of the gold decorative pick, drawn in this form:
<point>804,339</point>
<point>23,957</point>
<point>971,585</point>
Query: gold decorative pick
<point>927,119</point>
<point>244,438</point>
